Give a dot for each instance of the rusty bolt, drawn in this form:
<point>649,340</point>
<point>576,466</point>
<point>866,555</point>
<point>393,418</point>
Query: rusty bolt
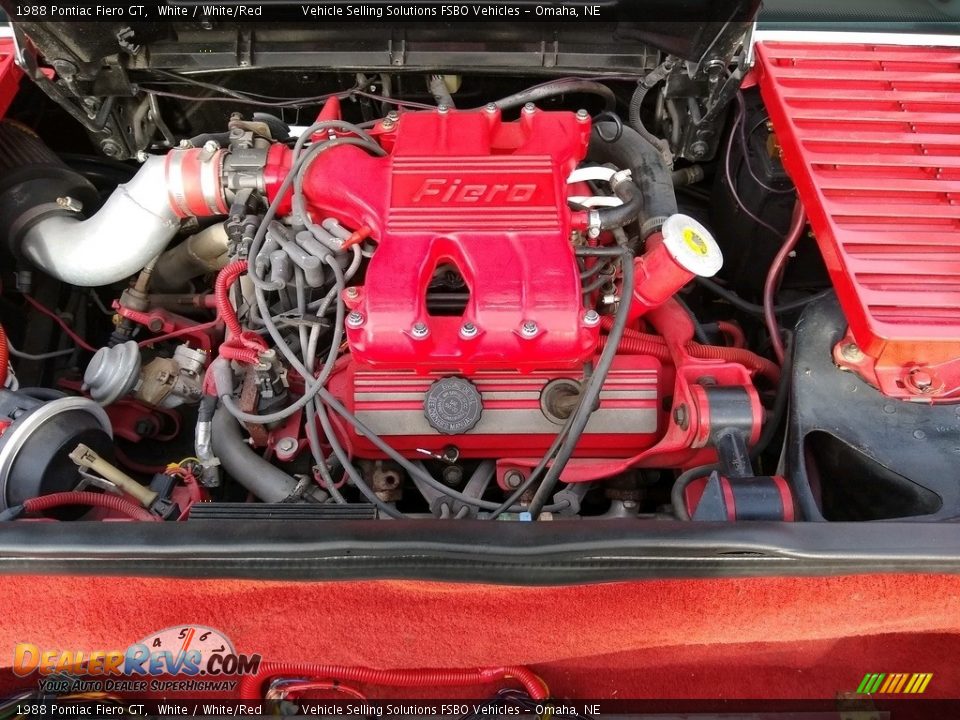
<point>681,417</point>
<point>851,352</point>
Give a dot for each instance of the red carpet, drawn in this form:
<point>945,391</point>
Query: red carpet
<point>725,638</point>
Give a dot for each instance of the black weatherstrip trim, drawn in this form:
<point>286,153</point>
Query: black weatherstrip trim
<point>546,553</point>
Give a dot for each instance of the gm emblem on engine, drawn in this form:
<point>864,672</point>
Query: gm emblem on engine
<point>452,405</point>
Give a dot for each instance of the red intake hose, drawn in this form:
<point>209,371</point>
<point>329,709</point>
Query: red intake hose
<point>4,356</point>
<point>638,343</point>
<point>251,686</point>
<point>108,502</point>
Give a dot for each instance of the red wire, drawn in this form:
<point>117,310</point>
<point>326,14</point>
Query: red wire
<point>251,686</point>
<point>200,327</point>
<point>797,224</point>
<point>733,333</point>
<point>327,685</point>
<point>39,307</point>
<point>109,502</point>
<point>4,356</point>
<point>241,346</point>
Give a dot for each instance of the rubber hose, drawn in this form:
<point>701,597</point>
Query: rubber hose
<point>251,686</point>
<point>612,218</point>
<point>267,482</point>
<point>108,502</point>
<point>652,176</point>
<point>560,87</point>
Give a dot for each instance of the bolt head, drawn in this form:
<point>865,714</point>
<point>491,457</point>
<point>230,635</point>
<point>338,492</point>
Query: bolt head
<point>442,108</point>
<point>419,330</point>
<point>582,115</point>
<point>393,116</point>
<point>211,146</point>
<point>921,379</point>
<point>851,352</point>
<point>468,330</point>
<point>529,108</point>
<point>591,318</point>
<point>681,417</point>
<point>286,445</point>
<point>355,319</point>
<point>529,329</point>
<point>513,479</point>
<point>490,107</point>
<point>69,203</point>
<point>352,292</point>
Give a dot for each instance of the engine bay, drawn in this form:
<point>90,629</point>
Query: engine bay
<point>462,294</point>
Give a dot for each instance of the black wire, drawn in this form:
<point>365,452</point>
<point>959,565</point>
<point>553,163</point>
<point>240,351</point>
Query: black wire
<point>590,394</point>
<point>612,117</point>
<point>754,309</point>
<point>780,402</point>
<point>677,499</point>
<point>699,333</point>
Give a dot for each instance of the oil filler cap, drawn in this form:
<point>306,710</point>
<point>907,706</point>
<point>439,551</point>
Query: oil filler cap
<point>453,405</point>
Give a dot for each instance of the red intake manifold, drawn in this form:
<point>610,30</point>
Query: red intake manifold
<point>485,196</point>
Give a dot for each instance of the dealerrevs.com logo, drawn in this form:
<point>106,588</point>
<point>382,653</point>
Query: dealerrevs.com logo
<point>186,650</point>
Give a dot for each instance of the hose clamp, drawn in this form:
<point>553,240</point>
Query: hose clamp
<point>593,223</point>
<point>194,182</point>
<point>621,176</point>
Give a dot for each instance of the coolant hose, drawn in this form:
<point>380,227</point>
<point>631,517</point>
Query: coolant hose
<point>134,225</point>
<point>650,173</point>
<point>265,481</point>
<point>251,686</point>
<point>108,502</point>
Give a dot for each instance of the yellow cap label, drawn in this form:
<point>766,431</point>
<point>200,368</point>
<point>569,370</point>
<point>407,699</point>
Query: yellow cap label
<point>695,241</point>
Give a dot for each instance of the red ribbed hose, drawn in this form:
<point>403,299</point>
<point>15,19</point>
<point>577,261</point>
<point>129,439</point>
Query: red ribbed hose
<point>108,502</point>
<point>225,278</point>
<point>251,686</point>
<point>637,343</point>
<point>241,346</point>
<point>4,356</point>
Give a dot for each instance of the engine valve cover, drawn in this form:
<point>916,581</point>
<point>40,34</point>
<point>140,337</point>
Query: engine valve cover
<point>485,197</point>
<point>507,413</point>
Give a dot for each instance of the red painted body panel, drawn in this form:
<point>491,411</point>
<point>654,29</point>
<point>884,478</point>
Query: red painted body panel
<point>871,137</point>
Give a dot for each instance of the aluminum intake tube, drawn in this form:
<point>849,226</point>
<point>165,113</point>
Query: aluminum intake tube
<point>133,226</point>
<point>42,204</point>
